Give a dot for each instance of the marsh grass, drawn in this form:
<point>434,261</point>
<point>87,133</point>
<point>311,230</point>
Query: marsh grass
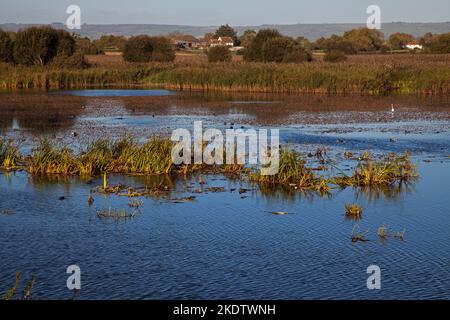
<point>357,235</point>
<point>9,295</point>
<point>126,156</point>
<point>383,232</point>
<point>373,173</point>
<point>116,214</point>
<point>292,172</point>
<point>424,74</point>
<point>9,154</point>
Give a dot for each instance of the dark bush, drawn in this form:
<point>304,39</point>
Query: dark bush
<point>255,51</point>
<point>284,49</point>
<point>138,49</point>
<point>39,45</point>
<point>162,50</point>
<point>335,56</point>
<point>219,54</point>
<point>439,44</point>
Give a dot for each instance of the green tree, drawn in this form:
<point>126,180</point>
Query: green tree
<point>163,50</point>
<point>227,31</point>
<point>335,42</point>
<point>426,39</point>
<point>254,51</point>
<point>247,38</point>
<point>110,41</point>
<point>284,49</point>
<point>219,54</point>
<point>39,45</point>
<point>138,49</point>
<point>398,40</point>
<point>439,44</point>
<point>6,47</point>
<point>364,39</point>
<point>85,46</point>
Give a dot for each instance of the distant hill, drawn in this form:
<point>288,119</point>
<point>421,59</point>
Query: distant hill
<point>310,31</point>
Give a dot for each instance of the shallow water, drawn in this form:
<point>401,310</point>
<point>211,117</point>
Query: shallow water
<point>228,245</point>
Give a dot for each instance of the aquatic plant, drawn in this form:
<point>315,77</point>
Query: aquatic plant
<point>400,234</point>
<point>357,235</point>
<point>9,295</point>
<point>387,171</point>
<point>353,211</point>
<point>116,214</point>
<point>292,171</point>
<point>9,154</point>
<point>383,232</point>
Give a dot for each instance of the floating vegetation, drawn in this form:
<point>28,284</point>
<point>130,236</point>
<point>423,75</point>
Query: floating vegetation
<point>28,287</point>
<point>216,189</point>
<point>400,235</point>
<point>353,211</point>
<point>9,295</point>
<point>383,232</point>
<point>357,236</point>
<point>184,200</point>
<point>135,204</point>
<point>116,214</point>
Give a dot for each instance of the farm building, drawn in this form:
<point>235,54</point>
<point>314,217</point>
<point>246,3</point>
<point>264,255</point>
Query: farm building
<point>222,41</point>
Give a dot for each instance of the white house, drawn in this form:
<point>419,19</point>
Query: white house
<point>413,46</point>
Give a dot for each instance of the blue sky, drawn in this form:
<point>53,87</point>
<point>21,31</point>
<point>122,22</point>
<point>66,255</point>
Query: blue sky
<point>214,12</point>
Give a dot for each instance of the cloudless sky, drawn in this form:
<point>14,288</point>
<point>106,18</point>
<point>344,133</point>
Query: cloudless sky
<point>215,12</point>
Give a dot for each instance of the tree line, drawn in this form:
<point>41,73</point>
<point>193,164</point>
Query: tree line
<point>48,46</point>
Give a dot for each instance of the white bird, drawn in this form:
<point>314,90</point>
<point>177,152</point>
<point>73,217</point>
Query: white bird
<point>392,108</point>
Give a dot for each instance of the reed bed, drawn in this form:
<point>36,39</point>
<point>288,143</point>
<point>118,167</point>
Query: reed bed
<point>20,77</point>
<point>307,78</point>
<point>423,74</point>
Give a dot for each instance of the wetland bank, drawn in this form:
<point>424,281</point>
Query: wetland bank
<point>225,234</point>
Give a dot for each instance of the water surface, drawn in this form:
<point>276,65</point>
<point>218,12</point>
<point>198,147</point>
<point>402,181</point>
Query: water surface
<point>227,245</point>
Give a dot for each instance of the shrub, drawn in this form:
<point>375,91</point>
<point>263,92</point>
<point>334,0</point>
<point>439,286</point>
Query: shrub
<point>75,61</point>
<point>219,54</point>
<point>138,49</point>
<point>39,45</point>
<point>440,43</point>
<point>284,49</point>
<point>162,50</point>
<point>335,56</point>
